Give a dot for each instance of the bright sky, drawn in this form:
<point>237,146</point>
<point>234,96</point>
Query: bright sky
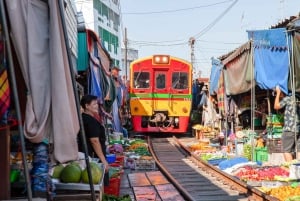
<point>219,26</point>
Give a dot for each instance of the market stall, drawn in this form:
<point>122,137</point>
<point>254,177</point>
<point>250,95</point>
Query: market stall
<point>47,114</point>
<point>252,150</point>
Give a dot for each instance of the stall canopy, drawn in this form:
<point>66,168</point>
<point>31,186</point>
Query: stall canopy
<point>82,60</point>
<point>271,61</point>
<point>238,70</point>
<point>215,75</point>
<point>51,112</point>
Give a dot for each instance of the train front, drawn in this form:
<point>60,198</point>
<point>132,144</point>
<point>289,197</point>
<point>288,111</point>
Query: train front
<point>160,94</point>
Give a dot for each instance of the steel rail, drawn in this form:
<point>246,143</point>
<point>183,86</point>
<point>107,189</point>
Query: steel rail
<point>187,196</point>
<point>240,185</point>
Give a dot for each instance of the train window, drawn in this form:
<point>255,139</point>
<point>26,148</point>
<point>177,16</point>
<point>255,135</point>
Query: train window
<point>141,80</point>
<point>180,80</point>
<point>160,81</point>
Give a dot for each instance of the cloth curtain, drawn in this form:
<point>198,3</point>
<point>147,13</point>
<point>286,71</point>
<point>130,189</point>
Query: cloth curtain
<point>38,39</point>
<point>238,70</point>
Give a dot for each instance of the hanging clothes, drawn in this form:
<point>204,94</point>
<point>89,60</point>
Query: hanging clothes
<point>100,83</point>
<point>209,114</point>
<point>4,93</point>
<point>221,96</point>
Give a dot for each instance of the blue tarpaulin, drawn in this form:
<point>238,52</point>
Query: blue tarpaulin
<point>271,61</point>
<point>215,75</point>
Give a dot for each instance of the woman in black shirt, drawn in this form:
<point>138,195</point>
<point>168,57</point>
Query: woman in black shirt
<point>94,130</point>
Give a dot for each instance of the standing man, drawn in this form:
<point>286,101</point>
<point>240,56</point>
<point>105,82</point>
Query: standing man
<point>119,103</point>
<point>291,126</point>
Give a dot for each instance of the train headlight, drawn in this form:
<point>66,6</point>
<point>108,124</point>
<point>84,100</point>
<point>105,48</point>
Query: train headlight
<point>184,110</point>
<point>176,120</point>
<point>161,59</point>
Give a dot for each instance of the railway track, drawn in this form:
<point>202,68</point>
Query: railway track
<point>197,180</point>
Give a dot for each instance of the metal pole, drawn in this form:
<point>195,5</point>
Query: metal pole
<point>192,43</point>
<point>126,52</point>
<point>16,98</point>
<point>252,107</point>
<point>77,100</point>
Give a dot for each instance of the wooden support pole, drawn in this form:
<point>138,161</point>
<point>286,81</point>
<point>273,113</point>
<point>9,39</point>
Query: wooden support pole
<point>5,164</point>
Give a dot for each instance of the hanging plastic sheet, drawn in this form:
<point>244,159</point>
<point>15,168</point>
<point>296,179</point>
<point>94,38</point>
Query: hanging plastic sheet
<point>271,61</point>
<point>216,70</point>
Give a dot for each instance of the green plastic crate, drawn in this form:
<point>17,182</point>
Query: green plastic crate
<point>260,154</point>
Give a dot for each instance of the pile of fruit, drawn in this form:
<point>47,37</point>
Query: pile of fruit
<point>247,151</point>
<point>202,128</point>
<point>212,156</point>
<point>139,147</point>
<point>283,193</point>
<point>73,173</point>
<point>202,147</point>
<point>249,173</point>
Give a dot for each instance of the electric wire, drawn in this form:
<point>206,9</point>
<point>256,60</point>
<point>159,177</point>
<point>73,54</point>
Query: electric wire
<point>183,41</point>
<point>175,10</point>
<point>211,25</point>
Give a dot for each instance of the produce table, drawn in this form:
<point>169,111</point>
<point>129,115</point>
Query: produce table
<point>63,190</point>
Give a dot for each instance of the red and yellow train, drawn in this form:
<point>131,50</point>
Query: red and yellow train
<point>160,94</point>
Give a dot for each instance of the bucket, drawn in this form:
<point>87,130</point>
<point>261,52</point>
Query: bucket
<point>257,122</point>
<point>111,158</point>
<point>294,171</point>
<point>116,136</point>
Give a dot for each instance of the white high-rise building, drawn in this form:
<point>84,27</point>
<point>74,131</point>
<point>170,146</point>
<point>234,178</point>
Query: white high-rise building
<point>103,17</point>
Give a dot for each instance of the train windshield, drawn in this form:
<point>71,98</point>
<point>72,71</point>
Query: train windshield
<point>141,80</point>
<point>180,80</point>
<point>160,80</point>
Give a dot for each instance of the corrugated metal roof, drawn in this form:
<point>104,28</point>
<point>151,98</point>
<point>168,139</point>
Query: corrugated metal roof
<point>284,23</point>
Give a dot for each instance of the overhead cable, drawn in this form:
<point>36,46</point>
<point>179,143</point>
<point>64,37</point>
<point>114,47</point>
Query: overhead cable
<point>175,10</point>
<point>208,27</point>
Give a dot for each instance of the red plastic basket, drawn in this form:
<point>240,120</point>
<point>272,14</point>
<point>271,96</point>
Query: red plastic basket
<point>114,187</point>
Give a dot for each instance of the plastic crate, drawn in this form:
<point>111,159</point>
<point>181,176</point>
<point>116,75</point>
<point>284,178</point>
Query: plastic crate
<point>114,186</point>
<point>261,154</point>
<point>144,164</point>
